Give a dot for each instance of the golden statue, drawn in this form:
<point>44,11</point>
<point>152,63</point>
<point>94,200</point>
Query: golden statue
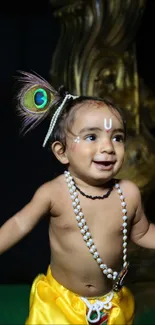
<point>96,55</point>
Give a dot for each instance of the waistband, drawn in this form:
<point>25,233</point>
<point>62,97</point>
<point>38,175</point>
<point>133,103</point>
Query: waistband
<point>94,304</point>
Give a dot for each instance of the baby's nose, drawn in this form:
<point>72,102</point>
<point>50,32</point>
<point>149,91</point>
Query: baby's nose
<point>106,146</point>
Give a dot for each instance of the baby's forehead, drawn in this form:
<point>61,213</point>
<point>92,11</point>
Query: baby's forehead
<point>91,103</point>
<point>89,107</point>
<point>95,113</point>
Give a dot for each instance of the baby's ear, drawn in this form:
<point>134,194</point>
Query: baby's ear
<point>58,150</point>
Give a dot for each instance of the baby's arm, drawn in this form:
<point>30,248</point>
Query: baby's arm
<point>142,232</point>
<point>18,226</point>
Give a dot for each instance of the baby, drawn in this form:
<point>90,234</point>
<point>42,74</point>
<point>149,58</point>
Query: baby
<point>92,214</point>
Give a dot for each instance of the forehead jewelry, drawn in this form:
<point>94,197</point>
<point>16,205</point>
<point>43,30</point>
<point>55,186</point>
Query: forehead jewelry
<point>77,139</point>
<point>55,117</point>
<point>109,125</point>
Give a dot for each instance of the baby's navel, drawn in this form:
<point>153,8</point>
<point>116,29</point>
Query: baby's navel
<point>89,286</point>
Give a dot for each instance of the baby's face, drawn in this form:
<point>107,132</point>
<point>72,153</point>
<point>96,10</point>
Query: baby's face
<point>96,152</point>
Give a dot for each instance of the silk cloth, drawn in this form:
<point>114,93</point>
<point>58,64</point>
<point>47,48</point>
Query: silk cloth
<point>51,303</point>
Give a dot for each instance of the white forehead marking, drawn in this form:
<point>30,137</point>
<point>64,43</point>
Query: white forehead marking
<point>77,139</point>
<point>109,125</point>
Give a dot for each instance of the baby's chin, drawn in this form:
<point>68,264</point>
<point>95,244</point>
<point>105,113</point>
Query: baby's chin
<point>94,176</point>
<point>97,180</point>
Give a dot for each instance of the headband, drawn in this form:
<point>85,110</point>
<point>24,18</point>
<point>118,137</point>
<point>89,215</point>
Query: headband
<point>55,117</point>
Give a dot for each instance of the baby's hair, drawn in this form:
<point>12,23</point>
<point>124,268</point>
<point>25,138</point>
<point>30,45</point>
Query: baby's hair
<point>67,117</point>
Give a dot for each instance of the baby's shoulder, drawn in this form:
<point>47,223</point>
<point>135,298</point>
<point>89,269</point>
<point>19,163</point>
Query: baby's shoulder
<point>51,187</point>
<point>130,191</point>
<point>129,186</point>
<point>55,185</point>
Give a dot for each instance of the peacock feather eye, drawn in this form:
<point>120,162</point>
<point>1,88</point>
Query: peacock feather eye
<point>40,98</point>
<point>37,99</point>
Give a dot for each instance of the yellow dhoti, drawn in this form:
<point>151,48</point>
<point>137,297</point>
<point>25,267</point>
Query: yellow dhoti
<point>51,303</point>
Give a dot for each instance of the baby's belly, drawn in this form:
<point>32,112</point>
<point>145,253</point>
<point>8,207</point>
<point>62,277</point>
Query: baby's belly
<point>84,277</point>
<point>74,267</point>
<point>76,284</point>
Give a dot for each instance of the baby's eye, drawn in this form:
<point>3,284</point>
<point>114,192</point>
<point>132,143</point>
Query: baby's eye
<point>90,137</point>
<point>118,138</point>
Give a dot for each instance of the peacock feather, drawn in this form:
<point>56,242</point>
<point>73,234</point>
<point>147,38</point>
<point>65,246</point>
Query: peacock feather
<point>35,99</point>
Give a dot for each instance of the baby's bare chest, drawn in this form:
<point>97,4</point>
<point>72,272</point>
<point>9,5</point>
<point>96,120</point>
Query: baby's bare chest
<point>102,218</point>
<point>104,225</point>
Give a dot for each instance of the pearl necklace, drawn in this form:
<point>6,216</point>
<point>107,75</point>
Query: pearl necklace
<point>85,230</point>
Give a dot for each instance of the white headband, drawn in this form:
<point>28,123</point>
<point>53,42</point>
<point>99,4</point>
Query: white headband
<point>55,117</point>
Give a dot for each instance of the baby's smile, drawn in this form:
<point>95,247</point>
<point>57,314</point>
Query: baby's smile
<point>104,165</point>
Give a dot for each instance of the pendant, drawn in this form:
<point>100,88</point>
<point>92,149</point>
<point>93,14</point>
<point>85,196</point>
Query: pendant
<point>103,318</point>
<point>120,278</point>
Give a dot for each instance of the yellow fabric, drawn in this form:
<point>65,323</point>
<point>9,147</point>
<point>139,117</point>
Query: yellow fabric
<point>51,303</point>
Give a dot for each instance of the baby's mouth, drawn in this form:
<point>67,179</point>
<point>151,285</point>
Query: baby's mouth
<point>104,165</point>
<point>104,162</point>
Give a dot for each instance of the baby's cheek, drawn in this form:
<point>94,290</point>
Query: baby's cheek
<point>76,147</point>
<point>73,146</point>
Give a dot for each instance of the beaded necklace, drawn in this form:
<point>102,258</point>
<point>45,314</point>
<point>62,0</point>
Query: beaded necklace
<point>96,197</point>
<point>87,237</point>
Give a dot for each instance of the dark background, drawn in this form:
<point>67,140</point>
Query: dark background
<point>28,39</point>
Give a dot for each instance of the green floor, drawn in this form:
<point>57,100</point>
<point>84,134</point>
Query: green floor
<point>146,318</point>
<point>14,301</point>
